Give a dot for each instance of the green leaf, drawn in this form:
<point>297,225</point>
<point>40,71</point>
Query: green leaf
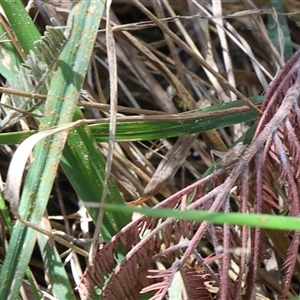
<point>85,167</point>
<point>251,220</point>
<point>145,130</point>
<point>21,23</point>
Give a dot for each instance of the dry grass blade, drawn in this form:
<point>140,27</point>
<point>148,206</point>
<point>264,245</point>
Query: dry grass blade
<point>18,163</point>
<point>110,44</point>
<point>198,58</point>
<point>167,168</point>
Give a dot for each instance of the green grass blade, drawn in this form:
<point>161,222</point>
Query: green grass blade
<point>132,131</point>
<point>145,130</point>
<point>85,167</point>
<point>251,220</point>
<point>21,23</point>
<point>9,57</point>
<point>9,225</point>
<point>59,109</point>
<point>56,273</point>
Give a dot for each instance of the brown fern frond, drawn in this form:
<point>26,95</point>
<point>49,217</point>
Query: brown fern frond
<point>276,92</point>
<point>199,284</point>
<point>105,262</point>
<point>285,149</point>
<point>289,264</point>
<point>164,278</point>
